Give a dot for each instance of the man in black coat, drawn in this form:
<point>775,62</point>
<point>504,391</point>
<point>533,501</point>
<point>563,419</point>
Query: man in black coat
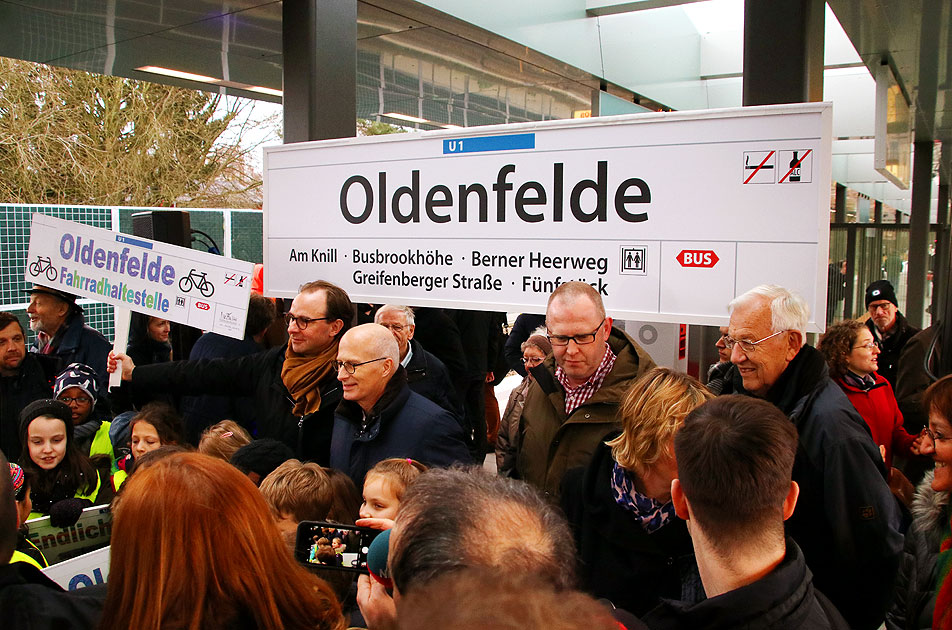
<point>23,378</point>
<point>426,375</point>
<point>380,417</point>
<point>890,329</point>
<point>847,522</point>
<point>294,386</point>
<point>62,333</point>
<point>735,457</point>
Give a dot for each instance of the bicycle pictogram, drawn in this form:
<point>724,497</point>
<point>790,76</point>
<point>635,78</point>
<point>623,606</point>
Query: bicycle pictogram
<point>198,281</point>
<point>43,264</point>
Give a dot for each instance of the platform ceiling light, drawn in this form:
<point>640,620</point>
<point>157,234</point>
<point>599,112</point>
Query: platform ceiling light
<point>178,74</point>
<point>190,76</point>
<point>413,119</point>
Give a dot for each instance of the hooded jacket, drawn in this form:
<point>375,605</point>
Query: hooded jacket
<point>914,598</point>
<point>401,424</point>
<point>552,442</point>
<point>847,521</point>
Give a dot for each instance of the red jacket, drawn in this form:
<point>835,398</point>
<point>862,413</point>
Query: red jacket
<point>880,411</point>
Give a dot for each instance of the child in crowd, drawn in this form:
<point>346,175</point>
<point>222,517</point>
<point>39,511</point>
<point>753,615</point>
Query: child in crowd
<point>77,386</point>
<point>25,550</point>
<point>297,492</point>
<point>345,508</point>
<point>64,481</point>
<point>385,484</point>
<point>223,439</point>
<point>156,425</point>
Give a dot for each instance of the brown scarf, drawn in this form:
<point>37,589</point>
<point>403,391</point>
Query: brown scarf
<point>302,376</point>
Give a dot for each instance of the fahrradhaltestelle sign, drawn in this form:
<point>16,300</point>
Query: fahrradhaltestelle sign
<point>176,283</point>
<point>669,216</point>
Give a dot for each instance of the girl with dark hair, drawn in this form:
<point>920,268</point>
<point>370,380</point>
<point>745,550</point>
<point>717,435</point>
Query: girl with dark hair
<point>193,515</point>
<point>156,425</point>
<point>64,481</point>
<point>149,340</point>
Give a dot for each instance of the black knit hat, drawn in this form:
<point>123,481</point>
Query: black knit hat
<point>48,407</point>
<point>261,456</point>
<point>881,290</point>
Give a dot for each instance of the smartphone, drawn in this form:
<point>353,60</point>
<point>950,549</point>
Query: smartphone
<point>333,546</point>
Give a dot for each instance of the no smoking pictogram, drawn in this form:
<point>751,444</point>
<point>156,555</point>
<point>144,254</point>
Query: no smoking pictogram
<point>759,167</point>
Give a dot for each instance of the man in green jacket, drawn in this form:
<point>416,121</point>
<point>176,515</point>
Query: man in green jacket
<point>574,400</point>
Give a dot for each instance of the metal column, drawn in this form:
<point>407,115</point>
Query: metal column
<point>320,69</point>
<point>783,51</point>
<point>919,232</point>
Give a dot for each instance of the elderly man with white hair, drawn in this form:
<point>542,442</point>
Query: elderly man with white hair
<point>846,521</point>
<point>380,417</point>
<point>426,374</point>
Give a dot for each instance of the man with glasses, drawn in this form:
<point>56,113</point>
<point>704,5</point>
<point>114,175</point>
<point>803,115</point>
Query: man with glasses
<point>380,417</point>
<point>426,374</point>
<point>847,521</point>
<point>294,386</point>
<point>574,400</point>
<point>890,329</point>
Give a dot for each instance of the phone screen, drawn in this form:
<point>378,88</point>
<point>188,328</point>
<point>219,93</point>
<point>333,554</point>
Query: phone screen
<point>334,546</point>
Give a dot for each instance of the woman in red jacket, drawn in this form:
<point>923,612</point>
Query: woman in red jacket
<point>851,352</point>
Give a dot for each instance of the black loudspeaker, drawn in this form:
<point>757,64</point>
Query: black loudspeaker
<point>174,227</point>
<point>167,226</point>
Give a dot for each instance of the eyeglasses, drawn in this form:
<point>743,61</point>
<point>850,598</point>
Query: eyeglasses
<point>746,345</point>
<point>302,322</point>
<point>581,340</point>
<point>397,328</point>
<point>935,437</point>
<point>80,400</point>
<point>350,368</point>
<point>533,361</point>
<point>869,345</point>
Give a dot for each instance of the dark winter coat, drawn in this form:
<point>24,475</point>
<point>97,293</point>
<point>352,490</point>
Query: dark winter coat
<point>847,521</point>
<point>427,376</point>
<point>200,412</point>
<point>620,561</point>
<point>259,375</point>
<point>76,342</point>
<point>439,335</point>
<point>891,347</point>
<point>401,424</point>
<point>912,378</point>
<point>31,382</point>
<point>551,442</point>
<point>914,599</point>
<point>31,601</point>
<point>784,599</point>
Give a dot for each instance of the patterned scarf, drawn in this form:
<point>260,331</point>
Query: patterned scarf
<point>302,376</point>
<point>942,616</point>
<point>652,515</point>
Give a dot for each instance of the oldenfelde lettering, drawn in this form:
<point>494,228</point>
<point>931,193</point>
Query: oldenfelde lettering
<point>531,199</point>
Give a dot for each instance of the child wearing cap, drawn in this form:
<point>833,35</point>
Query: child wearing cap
<point>77,387</point>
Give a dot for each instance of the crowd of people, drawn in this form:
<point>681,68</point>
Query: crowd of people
<point>790,490</point>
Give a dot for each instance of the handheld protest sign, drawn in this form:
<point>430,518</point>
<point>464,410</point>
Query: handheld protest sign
<point>182,285</point>
<point>92,531</point>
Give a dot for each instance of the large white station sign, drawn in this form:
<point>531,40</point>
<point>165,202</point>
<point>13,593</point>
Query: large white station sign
<point>669,216</point>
